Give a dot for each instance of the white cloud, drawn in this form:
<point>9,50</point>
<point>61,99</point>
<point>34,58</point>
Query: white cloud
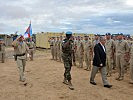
<point>63,15</point>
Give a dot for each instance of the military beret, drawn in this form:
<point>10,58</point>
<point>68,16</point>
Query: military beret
<point>69,32</point>
<point>120,33</point>
<point>96,34</point>
<point>108,34</point>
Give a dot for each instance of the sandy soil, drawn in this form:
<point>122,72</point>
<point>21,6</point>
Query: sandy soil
<point>44,82</point>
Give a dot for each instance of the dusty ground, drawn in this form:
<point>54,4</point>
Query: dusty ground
<point>44,78</point>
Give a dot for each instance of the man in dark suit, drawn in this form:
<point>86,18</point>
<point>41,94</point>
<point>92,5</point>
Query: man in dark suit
<point>99,63</point>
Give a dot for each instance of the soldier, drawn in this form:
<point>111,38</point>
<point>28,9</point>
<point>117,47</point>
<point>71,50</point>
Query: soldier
<point>2,50</point>
<point>114,56</point>
<point>51,42</point>
<point>122,50</point>
<point>75,49</point>
<point>80,51</point>
<point>32,49</point>
<point>127,38</point>
<point>131,64</point>
<point>60,47</point>
<point>109,53</point>
<point>96,40</point>
<point>55,49</point>
<point>67,59</point>
<point>87,53</point>
<point>21,48</point>
<point>73,52</point>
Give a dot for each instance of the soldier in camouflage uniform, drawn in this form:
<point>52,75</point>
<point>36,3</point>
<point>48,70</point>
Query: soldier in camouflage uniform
<point>80,52</point>
<point>122,50</point>
<point>51,42</point>
<point>109,53</point>
<point>67,58</point>
<point>60,48</point>
<point>55,49</point>
<point>131,63</point>
<point>20,49</point>
<point>73,53</point>
<point>32,49</point>
<point>87,53</point>
<point>2,50</point>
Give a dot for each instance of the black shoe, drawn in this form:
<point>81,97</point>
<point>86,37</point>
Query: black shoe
<point>93,83</point>
<point>108,86</point>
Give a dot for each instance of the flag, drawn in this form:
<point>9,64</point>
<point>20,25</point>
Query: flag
<point>28,32</point>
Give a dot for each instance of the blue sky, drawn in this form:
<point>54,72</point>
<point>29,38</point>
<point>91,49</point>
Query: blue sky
<point>83,16</point>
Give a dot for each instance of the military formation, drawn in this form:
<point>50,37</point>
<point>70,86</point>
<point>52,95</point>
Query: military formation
<point>119,53</point>
<point>77,51</point>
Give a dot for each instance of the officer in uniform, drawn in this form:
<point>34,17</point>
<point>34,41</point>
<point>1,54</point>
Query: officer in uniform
<point>80,51</point>
<point>51,42</point>
<point>87,53</point>
<point>2,50</point>
<point>96,41</point>
<point>60,48</point>
<point>67,58</point>
<point>21,48</point>
<point>32,49</point>
<point>55,49</point>
<point>75,49</point>
<point>131,63</point>
<point>110,45</point>
<point>122,51</point>
<point>74,52</point>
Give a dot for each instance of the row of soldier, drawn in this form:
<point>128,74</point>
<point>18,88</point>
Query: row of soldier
<point>119,53</point>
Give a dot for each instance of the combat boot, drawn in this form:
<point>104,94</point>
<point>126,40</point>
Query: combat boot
<point>65,81</point>
<point>117,78</point>
<point>121,78</point>
<point>70,85</point>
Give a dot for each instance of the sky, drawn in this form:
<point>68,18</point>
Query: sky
<point>80,16</point>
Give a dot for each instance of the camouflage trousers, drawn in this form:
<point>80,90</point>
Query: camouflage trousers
<point>67,59</point>
<point>2,57</point>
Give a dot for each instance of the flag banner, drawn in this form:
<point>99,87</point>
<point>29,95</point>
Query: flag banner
<point>28,32</point>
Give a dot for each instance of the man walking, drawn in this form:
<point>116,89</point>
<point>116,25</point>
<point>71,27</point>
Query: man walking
<point>99,63</point>
<point>67,58</point>
<point>20,48</point>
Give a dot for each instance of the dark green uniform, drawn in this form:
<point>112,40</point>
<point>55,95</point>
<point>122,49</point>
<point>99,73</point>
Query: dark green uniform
<point>67,58</point>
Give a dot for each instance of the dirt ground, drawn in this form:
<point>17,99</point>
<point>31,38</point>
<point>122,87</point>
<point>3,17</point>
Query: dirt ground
<point>44,82</point>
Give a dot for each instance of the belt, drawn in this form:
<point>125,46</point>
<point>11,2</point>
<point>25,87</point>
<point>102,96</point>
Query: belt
<point>20,54</point>
<point>30,48</point>
<point>51,45</point>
